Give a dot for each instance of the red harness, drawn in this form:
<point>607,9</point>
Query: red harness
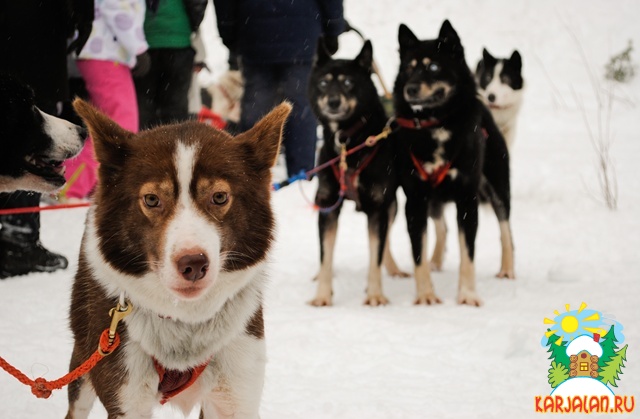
<point>351,177</point>
<point>438,175</point>
<point>173,382</point>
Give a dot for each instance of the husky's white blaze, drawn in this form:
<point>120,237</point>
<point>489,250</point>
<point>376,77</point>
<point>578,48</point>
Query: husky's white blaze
<point>64,134</point>
<point>188,232</point>
<point>506,105</point>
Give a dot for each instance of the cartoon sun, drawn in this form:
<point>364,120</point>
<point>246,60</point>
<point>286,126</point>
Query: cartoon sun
<point>574,323</point>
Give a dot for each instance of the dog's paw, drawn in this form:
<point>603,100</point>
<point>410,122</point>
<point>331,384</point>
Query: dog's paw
<point>427,299</point>
<point>376,300</point>
<point>398,273</point>
<point>508,274</point>
<point>469,297</point>
<point>321,302</point>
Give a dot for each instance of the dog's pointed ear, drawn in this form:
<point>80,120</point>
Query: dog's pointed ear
<point>322,55</point>
<point>109,139</point>
<point>406,38</point>
<point>516,60</point>
<point>486,56</point>
<point>365,57</point>
<point>265,137</point>
<point>448,34</point>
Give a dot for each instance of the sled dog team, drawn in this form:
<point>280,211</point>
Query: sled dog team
<point>185,240</point>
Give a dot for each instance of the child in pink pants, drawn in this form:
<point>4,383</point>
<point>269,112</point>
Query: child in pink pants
<point>116,42</point>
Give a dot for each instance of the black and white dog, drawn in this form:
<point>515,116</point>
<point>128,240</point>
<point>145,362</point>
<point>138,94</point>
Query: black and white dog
<point>346,102</point>
<point>448,149</point>
<point>33,144</point>
<point>501,85</point>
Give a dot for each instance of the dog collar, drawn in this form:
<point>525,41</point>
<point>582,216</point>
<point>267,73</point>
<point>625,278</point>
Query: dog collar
<point>173,382</point>
<point>416,123</point>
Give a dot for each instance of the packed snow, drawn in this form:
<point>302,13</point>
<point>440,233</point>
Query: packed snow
<point>401,360</point>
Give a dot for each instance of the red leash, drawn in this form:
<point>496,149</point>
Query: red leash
<point>109,341</point>
<point>25,210</point>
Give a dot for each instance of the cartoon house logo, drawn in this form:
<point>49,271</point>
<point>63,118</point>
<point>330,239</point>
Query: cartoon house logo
<point>586,358</point>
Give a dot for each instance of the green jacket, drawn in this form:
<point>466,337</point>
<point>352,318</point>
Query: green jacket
<point>169,27</point>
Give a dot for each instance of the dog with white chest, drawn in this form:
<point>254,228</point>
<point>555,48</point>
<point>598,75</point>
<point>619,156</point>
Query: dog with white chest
<point>182,225</point>
<point>501,87</point>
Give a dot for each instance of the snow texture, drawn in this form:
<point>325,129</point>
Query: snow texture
<point>406,361</point>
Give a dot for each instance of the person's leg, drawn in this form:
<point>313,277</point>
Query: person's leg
<point>111,90</point>
<point>172,97</point>
<point>300,134</point>
<point>20,249</point>
<point>260,94</point>
<point>147,89</point>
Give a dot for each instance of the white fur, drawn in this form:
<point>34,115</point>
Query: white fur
<point>66,140</point>
<point>506,106</point>
<point>188,232</point>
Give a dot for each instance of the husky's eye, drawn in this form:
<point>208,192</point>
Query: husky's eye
<point>506,80</point>
<point>434,67</point>
<point>322,84</point>
<point>347,83</point>
<point>151,200</point>
<point>220,198</point>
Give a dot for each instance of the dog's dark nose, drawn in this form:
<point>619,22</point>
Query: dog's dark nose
<point>82,132</point>
<point>334,102</point>
<point>491,98</point>
<point>193,267</point>
<point>412,89</point>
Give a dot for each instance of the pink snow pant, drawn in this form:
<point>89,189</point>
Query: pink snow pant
<point>111,90</point>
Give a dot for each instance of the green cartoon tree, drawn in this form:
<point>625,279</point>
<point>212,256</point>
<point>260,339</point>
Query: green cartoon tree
<point>558,374</point>
<point>609,348</point>
<point>610,373</point>
<point>558,352</point>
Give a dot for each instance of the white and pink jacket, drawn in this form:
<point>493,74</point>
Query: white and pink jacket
<point>118,32</point>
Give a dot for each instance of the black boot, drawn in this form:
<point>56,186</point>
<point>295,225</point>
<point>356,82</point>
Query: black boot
<point>22,259</point>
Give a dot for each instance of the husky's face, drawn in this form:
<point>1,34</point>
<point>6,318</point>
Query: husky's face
<point>429,70</point>
<point>339,87</point>
<point>179,205</point>
<point>500,80</point>
<point>34,144</point>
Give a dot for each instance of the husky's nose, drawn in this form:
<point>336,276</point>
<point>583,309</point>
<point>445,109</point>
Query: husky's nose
<point>334,102</point>
<point>491,98</point>
<point>193,267</point>
<point>412,89</point>
<point>82,132</point>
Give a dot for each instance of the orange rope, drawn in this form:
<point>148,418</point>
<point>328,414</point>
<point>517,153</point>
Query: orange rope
<point>42,388</point>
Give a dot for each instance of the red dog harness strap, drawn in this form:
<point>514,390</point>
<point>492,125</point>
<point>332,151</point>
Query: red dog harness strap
<point>436,177</point>
<point>416,123</point>
<point>173,382</point>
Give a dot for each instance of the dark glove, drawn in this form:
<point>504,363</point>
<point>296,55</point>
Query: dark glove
<point>330,44</point>
<point>81,20</point>
<point>143,64</point>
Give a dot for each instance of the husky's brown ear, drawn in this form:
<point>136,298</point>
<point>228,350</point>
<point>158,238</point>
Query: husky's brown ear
<point>110,139</point>
<point>265,136</point>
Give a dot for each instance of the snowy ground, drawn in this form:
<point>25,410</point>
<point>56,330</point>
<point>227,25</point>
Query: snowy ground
<point>403,361</point>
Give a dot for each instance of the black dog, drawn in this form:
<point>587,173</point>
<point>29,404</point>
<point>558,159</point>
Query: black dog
<point>346,102</point>
<point>33,144</point>
<point>448,149</point>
